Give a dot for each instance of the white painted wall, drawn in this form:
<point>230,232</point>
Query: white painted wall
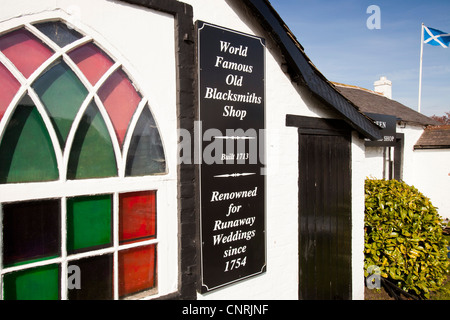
<point>427,170</point>
<point>284,97</point>
<point>358,199</point>
<point>373,162</point>
<point>432,177</point>
<point>412,134</point>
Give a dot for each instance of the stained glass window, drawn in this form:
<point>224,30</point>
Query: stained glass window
<point>40,283</point>
<point>8,88</point>
<point>137,219</point>
<point>24,50</point>
<point>96,282</point>
<point>62,94</point>
<point>64,116</point>
<point>26,150</point>
<point>92,154</point>
<point>121,100</point>
<point>58,32</point>
<point>92,61</point>
<point>89,222</point>
<point>137,270</point>
<point>146,153</point>
<point>31,231</point>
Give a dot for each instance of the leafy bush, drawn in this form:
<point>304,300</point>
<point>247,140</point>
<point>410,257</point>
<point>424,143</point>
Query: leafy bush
<point>403,237</point>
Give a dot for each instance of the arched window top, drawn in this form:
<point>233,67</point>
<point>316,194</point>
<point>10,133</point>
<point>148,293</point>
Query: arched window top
<point>58,86</point>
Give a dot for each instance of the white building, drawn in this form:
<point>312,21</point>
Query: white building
<point>432,166</point>
<point>98,98</point>
<point>420,156</point>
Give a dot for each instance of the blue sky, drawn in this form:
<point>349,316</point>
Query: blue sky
<point>336,39</point>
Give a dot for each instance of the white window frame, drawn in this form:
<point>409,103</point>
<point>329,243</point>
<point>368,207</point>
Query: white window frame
<point>164,184</point>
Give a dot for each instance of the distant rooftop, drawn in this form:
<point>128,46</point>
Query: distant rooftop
<point>369,101</point>
<point>434,137</point>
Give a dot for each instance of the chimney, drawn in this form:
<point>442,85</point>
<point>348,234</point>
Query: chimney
<point>383,86</point>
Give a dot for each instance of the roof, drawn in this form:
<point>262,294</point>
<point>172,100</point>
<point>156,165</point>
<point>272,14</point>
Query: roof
<point>434,137</point>
<point>373,102</point>
<point>302,70</point>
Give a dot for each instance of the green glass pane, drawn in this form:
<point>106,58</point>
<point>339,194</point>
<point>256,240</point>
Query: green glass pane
<point>62,94</point>
<point>92,154</point>
<point>88,223</point>
<point>41,283</point>
<point>146,153</point>
<point>26,152</point>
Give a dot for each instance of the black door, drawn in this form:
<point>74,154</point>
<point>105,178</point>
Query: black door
<point>324,216</point>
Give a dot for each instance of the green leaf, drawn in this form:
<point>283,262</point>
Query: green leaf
<point>403,236</point>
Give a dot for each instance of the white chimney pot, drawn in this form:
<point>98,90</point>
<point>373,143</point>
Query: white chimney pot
<point>383,86</point>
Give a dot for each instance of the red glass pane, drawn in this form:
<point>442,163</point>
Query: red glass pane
<point>92,61</point>
<point>137,216</point>
<point>137,271</point>
<point>24,50</point>
<point>120,100</point>
<point>8,88</point>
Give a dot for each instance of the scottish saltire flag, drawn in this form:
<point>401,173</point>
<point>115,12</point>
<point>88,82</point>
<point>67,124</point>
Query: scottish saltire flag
<point>436,37</point>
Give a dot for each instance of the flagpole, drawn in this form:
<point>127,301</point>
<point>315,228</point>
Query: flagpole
<point>420,72</point>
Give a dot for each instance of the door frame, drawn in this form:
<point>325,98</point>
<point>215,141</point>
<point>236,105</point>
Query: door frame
<point>318,127</point>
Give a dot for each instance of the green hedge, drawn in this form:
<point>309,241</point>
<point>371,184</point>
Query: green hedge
<point>403,237</point>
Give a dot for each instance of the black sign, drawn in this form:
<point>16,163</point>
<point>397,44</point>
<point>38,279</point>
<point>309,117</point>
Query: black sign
<point>232,180</point>
<point>388,125</point>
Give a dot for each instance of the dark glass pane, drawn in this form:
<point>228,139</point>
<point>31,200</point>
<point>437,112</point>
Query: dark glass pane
<point>92,154</point>
<point>137,216</point>
<point>41,283</point>
<point>24,50</point>
<point>31,231</point>
<point>62,94</point>
<point>96,278</point>
<point>58,32</point>
<point>89,222</point>
<point>26,151</point>
<point>146,153</point>
<point>137,270</point>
